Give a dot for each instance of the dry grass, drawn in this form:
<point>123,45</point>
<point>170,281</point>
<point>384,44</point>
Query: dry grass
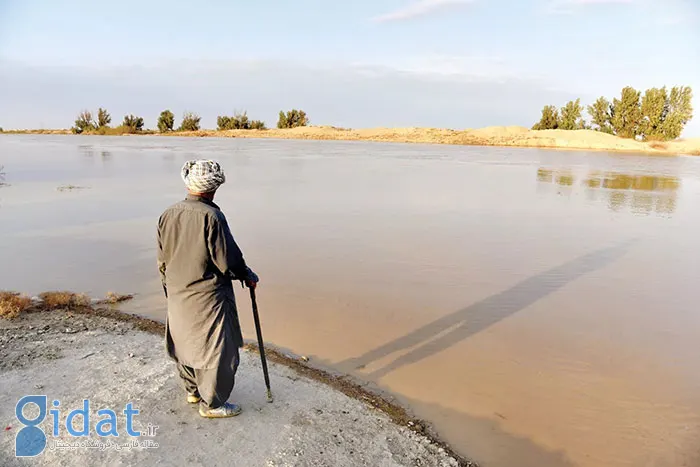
<point>13,304</point>
<point>114,298</point>
<point>658,145</point>
<point>62,300</point>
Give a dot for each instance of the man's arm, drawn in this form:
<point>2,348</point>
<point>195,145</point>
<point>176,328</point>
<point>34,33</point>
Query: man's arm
<point>225,253</point>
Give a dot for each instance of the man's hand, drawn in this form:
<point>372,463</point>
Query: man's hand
<point>251,281</point>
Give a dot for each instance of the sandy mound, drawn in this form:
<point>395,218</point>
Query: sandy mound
<point>499,132</point>
<point>515,136</point>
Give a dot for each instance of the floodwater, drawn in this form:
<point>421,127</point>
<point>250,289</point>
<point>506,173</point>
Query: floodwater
<point>540,308</point>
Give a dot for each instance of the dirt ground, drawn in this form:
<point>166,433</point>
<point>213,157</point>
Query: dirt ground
<point>74,356</point>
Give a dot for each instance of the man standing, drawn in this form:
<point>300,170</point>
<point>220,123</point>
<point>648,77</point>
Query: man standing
<point>198,261</point>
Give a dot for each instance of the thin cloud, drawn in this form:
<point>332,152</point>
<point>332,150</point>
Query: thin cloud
<point>420,8</point>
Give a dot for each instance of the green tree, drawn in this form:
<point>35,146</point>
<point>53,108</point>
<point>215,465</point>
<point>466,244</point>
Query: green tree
<point>223,123</point>
<point>239,121</point>
<point>627,113</point>
<point>680,111</point>
<point>571,116</point>
<point>655,103</point>
<point>549,120</point>
<point>166,121</point>
<point>292,119</point>
<point>601,115</point>
<point>257,125</point>
<point>103,118</point>
<point>190,122</point>
<point>132,124</point>
<point>84,123</point>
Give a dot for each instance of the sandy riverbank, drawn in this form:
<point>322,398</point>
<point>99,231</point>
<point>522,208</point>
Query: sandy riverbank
<point>492,136</point>
<point>113,359</point>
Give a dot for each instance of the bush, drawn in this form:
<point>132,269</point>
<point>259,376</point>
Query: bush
<point>239,121</point>
<point>132,124</point>
<point>292,119</point>
<point>13,304</point>
<point>61,300</point>
<point>84,123</point>
<point>103,118</point>
<point>115,131</point>
<point>166,121</point>
<point>190,122</point>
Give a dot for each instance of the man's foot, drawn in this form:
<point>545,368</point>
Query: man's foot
<point>225,411</point>
<point>193,398</point>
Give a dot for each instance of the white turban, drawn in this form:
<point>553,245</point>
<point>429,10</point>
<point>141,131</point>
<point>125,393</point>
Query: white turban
<point>202,176</point>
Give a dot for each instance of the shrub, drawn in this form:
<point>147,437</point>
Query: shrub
<point>62,299</point>
<point>114,298</point>
<point>239,121</point>
<point>658,145</point>
<point>190,122</point>
<point>84,123</point>
<point>13,304</point>
<point>166,121</point>
<point>292,119</point>
<point>132,124</point>
<point>103,118</point>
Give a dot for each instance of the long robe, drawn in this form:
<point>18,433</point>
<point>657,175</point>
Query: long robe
<point>198,260</point>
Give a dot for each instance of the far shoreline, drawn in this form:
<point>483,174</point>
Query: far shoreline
<point>511,136</point>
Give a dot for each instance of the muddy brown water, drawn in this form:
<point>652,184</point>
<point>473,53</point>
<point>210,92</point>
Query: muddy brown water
<point>540,308</point>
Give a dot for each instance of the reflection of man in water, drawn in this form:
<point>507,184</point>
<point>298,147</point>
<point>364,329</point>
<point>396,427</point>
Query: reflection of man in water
<point>198,261</point>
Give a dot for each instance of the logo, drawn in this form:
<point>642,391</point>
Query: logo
<point>31,440</point>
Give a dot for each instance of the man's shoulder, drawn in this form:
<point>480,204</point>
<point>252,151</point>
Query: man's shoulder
<point>191,206</point>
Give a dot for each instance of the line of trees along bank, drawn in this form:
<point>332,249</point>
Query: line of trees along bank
<point>656,115</point>
<point>86,124</point>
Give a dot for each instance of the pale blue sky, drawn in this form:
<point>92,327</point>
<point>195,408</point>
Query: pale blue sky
<point>454,63</point>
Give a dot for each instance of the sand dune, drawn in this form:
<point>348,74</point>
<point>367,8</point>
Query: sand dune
<point>491,136</point>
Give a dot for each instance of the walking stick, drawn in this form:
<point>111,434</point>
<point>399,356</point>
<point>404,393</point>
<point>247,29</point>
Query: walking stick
<point>261,345</point>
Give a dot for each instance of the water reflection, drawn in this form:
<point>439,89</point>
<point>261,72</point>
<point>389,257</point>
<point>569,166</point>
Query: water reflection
<point>641,194</point>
